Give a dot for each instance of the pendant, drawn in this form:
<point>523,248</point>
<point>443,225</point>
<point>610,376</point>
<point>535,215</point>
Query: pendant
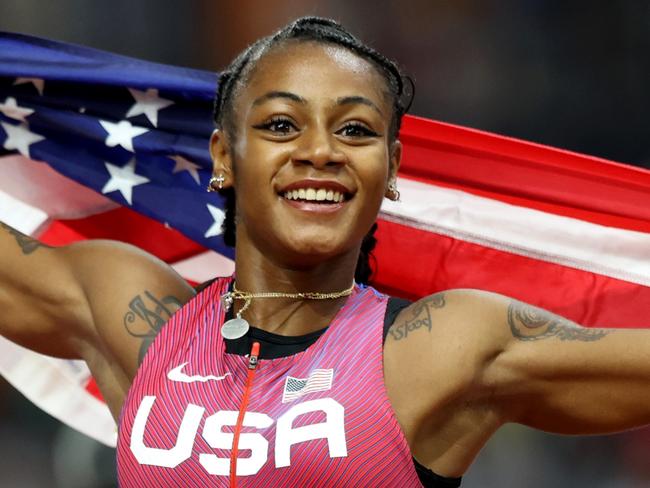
<point>234,328</point>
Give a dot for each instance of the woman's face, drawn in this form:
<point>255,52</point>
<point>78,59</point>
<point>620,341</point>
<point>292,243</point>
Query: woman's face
<point>311,156</point>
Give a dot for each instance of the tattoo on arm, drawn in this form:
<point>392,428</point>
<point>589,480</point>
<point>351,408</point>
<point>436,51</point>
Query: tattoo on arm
<point>528,323</point>
<point>146,316</point>
<point>420,318</point>
<point>26,243</point>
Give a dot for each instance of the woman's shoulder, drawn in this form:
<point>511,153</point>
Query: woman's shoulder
<point>451,334</point>
<point>435,313</point>
<point>435,354</point>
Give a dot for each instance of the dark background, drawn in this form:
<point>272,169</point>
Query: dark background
<point>570,74</point>
<point>574,74</point>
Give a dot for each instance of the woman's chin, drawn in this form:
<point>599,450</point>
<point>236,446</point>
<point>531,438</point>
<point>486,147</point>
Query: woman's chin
<point>315,249</point>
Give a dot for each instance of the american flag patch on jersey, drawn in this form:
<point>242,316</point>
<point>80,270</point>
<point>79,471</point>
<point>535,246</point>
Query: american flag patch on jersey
<point>318,380</point>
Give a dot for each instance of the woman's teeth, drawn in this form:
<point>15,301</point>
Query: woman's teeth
<point>314,195</point>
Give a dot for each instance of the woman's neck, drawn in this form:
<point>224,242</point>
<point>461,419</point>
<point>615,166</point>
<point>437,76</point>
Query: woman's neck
<point>257,272</point>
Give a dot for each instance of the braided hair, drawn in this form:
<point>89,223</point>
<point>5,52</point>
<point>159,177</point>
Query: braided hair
<point>320,30</point>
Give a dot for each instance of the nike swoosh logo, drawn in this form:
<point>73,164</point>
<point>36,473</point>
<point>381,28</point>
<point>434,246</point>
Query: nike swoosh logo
<point>177,375</point>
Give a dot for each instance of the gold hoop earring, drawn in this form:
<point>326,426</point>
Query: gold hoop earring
<point>218,180</point>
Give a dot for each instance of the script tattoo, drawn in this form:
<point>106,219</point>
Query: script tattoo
<point>420,318</point>
<point>26,243</point>
<point>146,316</point>
<point>529,323</point>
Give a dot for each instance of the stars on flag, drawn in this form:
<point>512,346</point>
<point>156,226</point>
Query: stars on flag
<point>14,111</point>
<point>123,179</point>
<point>122,133</point>
<point>38,83</point>
<point>93,164</point>
<point>147,103</point>
<point>218,216</point>
<point>19,138</point>
<point>183,164</point>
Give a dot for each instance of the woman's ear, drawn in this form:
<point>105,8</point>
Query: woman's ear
<point>221,159</point>
<point>393,166</point>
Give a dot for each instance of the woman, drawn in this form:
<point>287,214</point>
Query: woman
<point>320,381</point>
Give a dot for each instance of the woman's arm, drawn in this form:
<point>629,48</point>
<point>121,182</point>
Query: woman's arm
<point>555,375</point>
<point>39,296</point>
<point>64,301</point>
<point>461,363</point>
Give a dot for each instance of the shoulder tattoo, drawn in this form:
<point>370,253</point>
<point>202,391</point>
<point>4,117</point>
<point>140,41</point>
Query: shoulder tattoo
<point>146,316</point>
<point>27,244</point>
<point>528,323</point>
<point>420,317</point>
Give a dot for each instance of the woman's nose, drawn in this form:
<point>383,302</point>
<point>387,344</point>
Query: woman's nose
<point>319,148</point>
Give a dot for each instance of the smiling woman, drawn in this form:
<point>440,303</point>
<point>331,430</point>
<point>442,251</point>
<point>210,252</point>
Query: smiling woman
<point>317,136</point>
<point>344,69</point>
<point>322,380</point>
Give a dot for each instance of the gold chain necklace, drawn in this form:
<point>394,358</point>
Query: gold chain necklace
<point>238,326</point>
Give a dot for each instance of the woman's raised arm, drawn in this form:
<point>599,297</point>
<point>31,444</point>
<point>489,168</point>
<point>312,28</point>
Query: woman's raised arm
<point>59,301</point>
<point>536,368</point>
<point>557,376</point>
<point>43,306</point>
<point>478,360</point>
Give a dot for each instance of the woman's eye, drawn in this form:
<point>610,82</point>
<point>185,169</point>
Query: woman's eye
<point>356,130</point>
<point>278,126</point>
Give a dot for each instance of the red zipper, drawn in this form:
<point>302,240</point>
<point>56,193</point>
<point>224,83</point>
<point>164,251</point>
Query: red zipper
<point>252,365</point>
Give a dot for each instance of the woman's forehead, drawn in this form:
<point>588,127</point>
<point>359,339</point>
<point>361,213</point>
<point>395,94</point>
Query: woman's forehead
<point>312,69</point>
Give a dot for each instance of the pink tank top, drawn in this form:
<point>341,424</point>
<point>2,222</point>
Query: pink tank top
<point>318,418</point>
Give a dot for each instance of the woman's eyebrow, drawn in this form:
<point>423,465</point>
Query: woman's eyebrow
<point>358,99</point>
<point>279,94</point>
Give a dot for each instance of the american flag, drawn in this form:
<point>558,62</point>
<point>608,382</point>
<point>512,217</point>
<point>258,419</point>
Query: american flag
<point>132,130</point>
<point>318,380</point>
<point>564,231</point>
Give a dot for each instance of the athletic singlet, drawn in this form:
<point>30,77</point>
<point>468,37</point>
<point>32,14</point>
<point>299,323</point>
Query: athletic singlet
<point>320,417</point>
<point>277,346</point>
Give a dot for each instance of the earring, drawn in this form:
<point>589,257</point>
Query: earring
<point>392,193</point>
<point>218,180</point>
